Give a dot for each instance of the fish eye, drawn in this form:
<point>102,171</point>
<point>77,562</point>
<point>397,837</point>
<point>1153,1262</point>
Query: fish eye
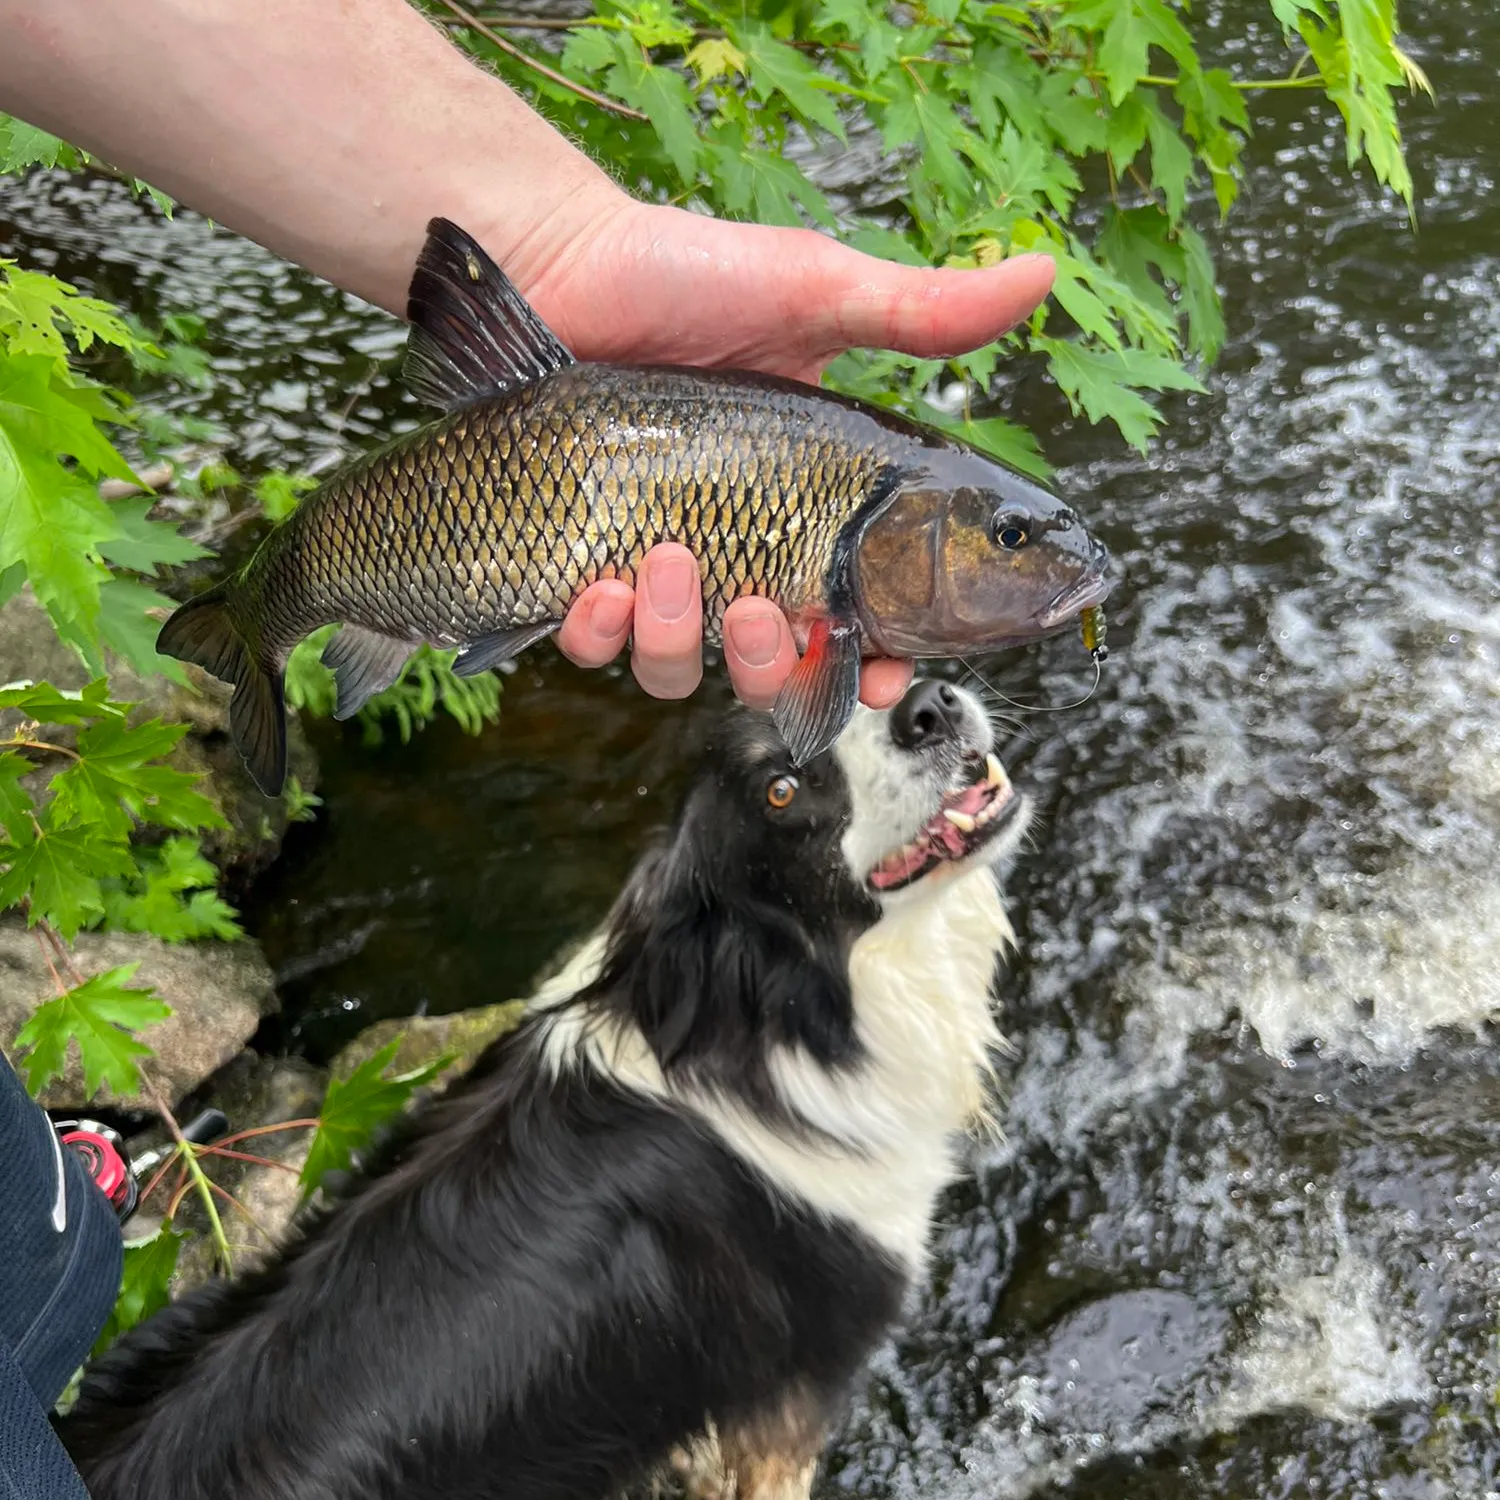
<point>1010,533</point>
<point>781,791</point>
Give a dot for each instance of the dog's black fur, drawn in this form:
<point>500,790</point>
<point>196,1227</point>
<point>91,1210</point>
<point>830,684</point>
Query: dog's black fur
<point>547,1280</point>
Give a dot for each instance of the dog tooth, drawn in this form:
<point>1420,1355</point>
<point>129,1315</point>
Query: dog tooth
<point>960,820</point>
<point>996,770</point>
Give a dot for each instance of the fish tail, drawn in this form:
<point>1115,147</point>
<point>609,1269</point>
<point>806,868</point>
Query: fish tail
<point>203,632</point>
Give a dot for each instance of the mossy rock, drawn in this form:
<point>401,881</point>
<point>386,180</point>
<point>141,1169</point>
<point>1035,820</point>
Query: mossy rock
<point>461,1036</point>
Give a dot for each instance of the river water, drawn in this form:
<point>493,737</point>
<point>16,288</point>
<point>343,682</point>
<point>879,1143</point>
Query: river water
<point>1240,1235</point>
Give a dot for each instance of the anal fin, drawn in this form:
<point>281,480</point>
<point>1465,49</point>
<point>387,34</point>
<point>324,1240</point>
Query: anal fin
<point>364,663</point>
<point>818,699</point>
<point>500,645</point>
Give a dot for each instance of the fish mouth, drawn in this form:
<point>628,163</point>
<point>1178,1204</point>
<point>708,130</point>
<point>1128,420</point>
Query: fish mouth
<point>967,820</point>
<point>1092,588</point>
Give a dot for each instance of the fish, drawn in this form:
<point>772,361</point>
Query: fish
<point>542,474</point>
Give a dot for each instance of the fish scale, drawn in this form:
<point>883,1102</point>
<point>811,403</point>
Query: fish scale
<point>543,475</point>
<point>507,511</point>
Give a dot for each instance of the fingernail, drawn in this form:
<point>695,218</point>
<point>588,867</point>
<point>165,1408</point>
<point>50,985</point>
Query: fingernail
<point>611,615</point>
<point>756,639</point>
<point>1031,256</point>
<point>671,586</point>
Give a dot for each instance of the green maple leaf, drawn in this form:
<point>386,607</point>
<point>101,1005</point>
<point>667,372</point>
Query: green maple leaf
<point>777,68</point>
<point>356,1107</point>
<point>23,146</point>
<point>664,98</point>
<point>35,308</point>
<point>172,894</point>
<point>279,494</point>
<point>15,803</point>
<point>1171,161</point>
<point>1124,52</point>
<point>49,705</point>
<point>1081,304</point>
<point>51,519</point>
<point>914,115</point>
<point>57,870</point>
<point>146,545</point>
<point>1131,29</point>
<point>99,1015</point>
<point>112,778</point>
<point>130,631</point>
<point>1101,383</point>
<point>589,49</point>
<point>1206,332</point>
<point>762,183</point>
<point>145,1285</point>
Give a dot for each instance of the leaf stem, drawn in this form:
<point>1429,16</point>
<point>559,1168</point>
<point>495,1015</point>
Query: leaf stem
<point>198,1178</point>
<point>1245,85</point>
<point>259,1161</point>
<point>20,744</point>
<point>527,60</point>
<point>41,943</point>
<point>245,1135</point>
<point>234,1202</point>
<point>161,1172</point>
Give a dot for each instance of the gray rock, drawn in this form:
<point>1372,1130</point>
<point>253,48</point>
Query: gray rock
<point>219,993</point>
<point>30,649</point>
<point>461,1036</point>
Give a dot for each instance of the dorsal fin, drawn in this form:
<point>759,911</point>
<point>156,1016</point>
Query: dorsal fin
<point>472,333</point>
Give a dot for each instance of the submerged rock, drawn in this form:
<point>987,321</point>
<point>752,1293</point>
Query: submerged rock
<point>219,994</point>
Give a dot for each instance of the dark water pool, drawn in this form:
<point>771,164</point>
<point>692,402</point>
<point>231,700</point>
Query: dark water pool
<point>1242,1234</point>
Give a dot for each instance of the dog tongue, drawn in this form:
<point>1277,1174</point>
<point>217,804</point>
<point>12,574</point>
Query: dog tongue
<point>894,869</point>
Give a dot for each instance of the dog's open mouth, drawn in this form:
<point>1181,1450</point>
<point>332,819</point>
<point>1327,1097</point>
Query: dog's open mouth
<point>968,819</point>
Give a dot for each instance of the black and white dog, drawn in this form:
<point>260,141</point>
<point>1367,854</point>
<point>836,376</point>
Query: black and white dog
<point>673,1213</point>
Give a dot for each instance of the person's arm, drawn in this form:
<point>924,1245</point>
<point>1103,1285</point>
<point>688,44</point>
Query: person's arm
<point>330,132</point>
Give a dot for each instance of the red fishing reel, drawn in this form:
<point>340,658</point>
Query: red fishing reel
<point>104,1157</point>
<point>108,1163</point>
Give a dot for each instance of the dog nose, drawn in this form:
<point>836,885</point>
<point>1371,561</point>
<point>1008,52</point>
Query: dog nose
<point>929,713</point>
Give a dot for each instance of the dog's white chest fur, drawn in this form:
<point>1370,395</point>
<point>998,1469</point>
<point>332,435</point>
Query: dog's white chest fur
<point>886,1130</point>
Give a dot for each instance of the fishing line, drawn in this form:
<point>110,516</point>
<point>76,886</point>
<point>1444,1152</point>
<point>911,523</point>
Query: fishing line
<point>1038,708</point>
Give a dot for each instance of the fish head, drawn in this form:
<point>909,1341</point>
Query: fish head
<point>968,555</point>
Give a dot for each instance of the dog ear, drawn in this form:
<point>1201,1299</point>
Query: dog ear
<point>711,973</point>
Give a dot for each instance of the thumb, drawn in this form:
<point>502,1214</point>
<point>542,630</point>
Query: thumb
<point>869,303</point>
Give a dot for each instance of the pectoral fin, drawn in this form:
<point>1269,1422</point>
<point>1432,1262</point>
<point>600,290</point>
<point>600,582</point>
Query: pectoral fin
<point>500,645</point>
<point>818,699</point>
<point>364,663</point>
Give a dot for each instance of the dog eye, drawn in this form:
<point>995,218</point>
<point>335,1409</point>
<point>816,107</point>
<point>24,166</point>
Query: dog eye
<point>781,791</point>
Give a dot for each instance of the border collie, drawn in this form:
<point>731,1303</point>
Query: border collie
<point>668,1217</point>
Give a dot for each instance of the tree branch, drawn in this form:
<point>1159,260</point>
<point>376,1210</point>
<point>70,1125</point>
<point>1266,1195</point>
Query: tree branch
<point>527,60</point>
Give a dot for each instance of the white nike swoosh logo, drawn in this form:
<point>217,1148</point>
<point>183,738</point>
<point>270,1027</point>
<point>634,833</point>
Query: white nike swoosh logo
<point>60,1203</point>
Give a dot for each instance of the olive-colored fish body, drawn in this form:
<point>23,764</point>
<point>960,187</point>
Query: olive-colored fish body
<point>544,475</point>
<point>504,511</point>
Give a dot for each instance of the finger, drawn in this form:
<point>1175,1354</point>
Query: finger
<point>598,625</point>
<point>883,681</point>
<point>668,656</point>
<point>758,650</point>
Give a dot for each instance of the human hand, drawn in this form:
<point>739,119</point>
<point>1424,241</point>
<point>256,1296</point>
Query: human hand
<point>659,285</point>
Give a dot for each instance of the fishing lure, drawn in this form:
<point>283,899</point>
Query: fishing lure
<point>1092,621</point>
